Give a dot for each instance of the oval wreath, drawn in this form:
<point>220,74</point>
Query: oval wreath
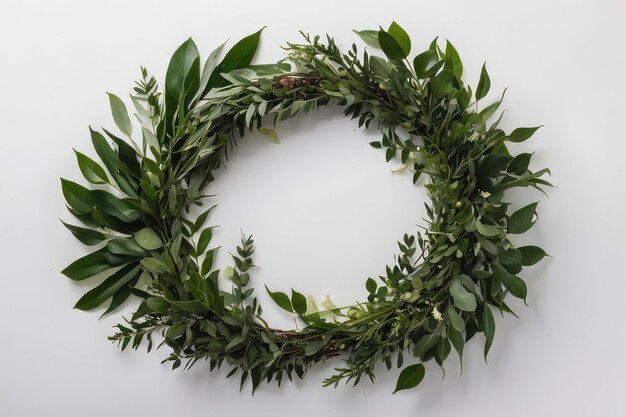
<point>445,282</point>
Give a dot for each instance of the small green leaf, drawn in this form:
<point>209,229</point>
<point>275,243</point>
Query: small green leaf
<point>455,319</point>
<point>531,255</point>
<point>522,220</point>
<point>370,37</point>
<point>204,240</point>
<point>410,377</point>
<point>120,114</point>
<point>390,46</point>
<point>427,64</point>
<point>463,299</point>
<point>148,239</point>
<point>484,83</point>
<point>400,35</point>
<point>522,133</point>
<point>175,331</point>
<point>298,301</point>
<point>94,263</point>
<point>90,169</point>
<point>371,285</point>
<point>281,299</point>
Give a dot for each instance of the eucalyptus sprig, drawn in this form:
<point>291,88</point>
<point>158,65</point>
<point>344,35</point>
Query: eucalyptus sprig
<point>446,279</point>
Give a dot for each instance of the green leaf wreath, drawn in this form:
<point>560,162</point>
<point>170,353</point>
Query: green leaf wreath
<point>446,281</point>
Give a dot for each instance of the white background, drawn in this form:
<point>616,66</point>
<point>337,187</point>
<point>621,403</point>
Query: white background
<point>324,207</point>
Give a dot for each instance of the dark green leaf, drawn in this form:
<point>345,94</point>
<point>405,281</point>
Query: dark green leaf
<point>484,83</point>
<point>86,236</point>
<point>531,255</point>
<point>487,229</point>
<point>298,301</point>
<point>370,285</point>
<point>513,284</point>
<point>522,220</point>
<point>455,319</point>
<point>522,133</point>
<point>183,61</point>
<point>390,46</point>
<point>175,331</point>
<point>239,56</point>
<point>453,61</point>
<point>401,37</point>
<point>443,84</point>
<point>109,286</point>
<point>204,240</point>
<point>281,299</point>
<point>94,263</point>
<point>158,304</point>
<point>410,377</point>
<point>519,164</point>
<point>427,64</point>
<point>489,328</point>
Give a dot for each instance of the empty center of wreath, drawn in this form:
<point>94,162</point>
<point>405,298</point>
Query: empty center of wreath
<point>324,207</point>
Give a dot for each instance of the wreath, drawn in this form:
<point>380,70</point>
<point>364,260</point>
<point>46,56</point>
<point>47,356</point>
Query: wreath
<point>446,280</point>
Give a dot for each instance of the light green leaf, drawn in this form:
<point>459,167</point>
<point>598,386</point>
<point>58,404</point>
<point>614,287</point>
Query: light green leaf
<point>463,299</point>
<point>370,37</point>
<point>270,133</point>
<point>400,35</point>
<point>148,239</point>
<point>486,229</point>
<point>120,114</point>
<point>90,169</point>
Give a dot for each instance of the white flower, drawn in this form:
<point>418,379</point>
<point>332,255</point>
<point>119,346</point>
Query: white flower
<point>328,304</point>
<point>311,305</point>
<point>473,137</point>
<point>485,194</point>
<point>229,271</point>
<point>436,314</point>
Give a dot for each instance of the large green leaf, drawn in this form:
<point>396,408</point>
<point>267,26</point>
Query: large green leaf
<point>90,169</point>
<point>84,200</point>
<point>298,301</point>
<point>148,239</point>
<point>113,164</point>
<point>443,84</point>
<point>86,236</point>
<point>427,64</point>
<point>183,61</point>
<point>390,46</point>
<point>410,377</point>
<point>453,61</point>
<point>370,37</point>
<point>531,255</point>
<point>515,285</point>
<point>484,83</point>
<point>281,299</point>
<point>400,35</point>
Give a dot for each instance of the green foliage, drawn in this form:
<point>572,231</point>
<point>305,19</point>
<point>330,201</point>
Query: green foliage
<point>444,282</point>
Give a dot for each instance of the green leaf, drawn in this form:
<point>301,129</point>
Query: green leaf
<point>522,220</point>
<point>410,377</point>
<point>522,133</point>
<point>118,299</point>
<point>270,133</point>
<point>519,164</point>
<point>484,83</point>
<point>531,255</point>
<point>175,331</point>
<point>281,299</point>
<point>86,236</point>
<point>148,239</point>
<point>184,60</point>
<point>371,285</point>
<point>458,342</point>
<point>202,218</point>
<point>453,61</point>
<point>509,256</point>
<point>515,285</point>
<point>158,304</point>
<point>427,64</point>
<point>400,35</point>
<point>125,246</point>
<point>443,84</point>
<point>90,169</point>
<point>204,240</point>
<point>94,263</point>
<point>489,328</point>
<point>298,301</point>
<point>463,299</point>
<point>455,319</point>
<point>390,46</point>
<point>120,114</point>
<point>108,288</point>
<point>113,164</point>
<point>492,165</point>
<point>370,37</point>
<point>487,229</point>
<point>239,56</point>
